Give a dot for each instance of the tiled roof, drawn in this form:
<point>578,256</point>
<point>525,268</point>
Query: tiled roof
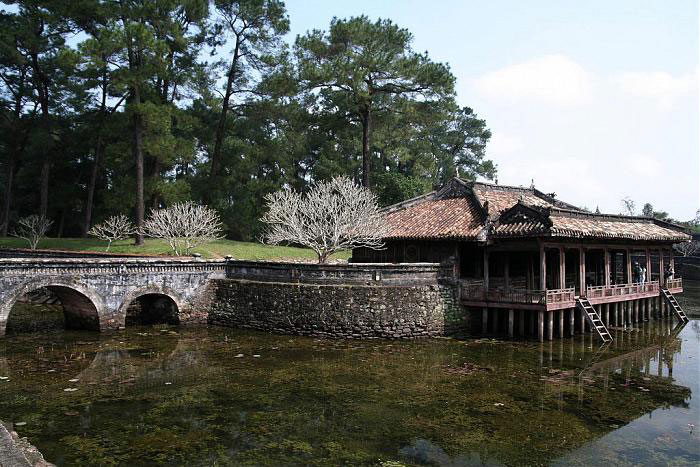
<point>499,199</point>
<point>458,211</point>
<point>437,218</point>
<point>601,226</point>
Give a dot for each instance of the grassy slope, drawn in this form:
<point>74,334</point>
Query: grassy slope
<point>218,249</point>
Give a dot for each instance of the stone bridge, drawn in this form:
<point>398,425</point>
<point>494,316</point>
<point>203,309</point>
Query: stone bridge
<point>96,292</point>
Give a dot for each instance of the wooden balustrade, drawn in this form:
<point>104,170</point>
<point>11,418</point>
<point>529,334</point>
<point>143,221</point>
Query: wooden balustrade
<point>621,292</point>
<point>555,296</point>
<point>674,285</point>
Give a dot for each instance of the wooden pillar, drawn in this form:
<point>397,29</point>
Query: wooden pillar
<point>628,260</point>
<point>582,321</point>
<point>484,320</point>
<point>511,317</point>
<point>647,309</point>
<point>486,269</point>
<point>561,323</point>
<point>629,312</point>
<point>607,268</point>
<point>540,326</point>
<point>495,314</point>
<point>506,270</point>
<point>662,282</point>
<point>648,266</point>
<point>572,323</point>
<point>606,314</point>
<point>562,268</point>
<point>671,259</point>
<point>636,310</point>
<point>550,325</point>
<point>543,268</point>
<point>521,322</point>
<point>582,271</point>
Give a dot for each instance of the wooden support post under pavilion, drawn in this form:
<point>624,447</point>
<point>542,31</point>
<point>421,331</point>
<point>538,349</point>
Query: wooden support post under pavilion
<point>606,314</point>
<point>550,325</point>
<point>510,322</point>
<point>521,322</point>
<point>572,329</point>
<point>636,310</point>
<point>484,320</point>
<point>614,314</point>
<point>494,321</point>
<point>540,325</point>
<point>561,323</point>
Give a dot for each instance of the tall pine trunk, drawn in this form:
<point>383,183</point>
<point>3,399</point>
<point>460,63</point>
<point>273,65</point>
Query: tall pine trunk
<point>221,127</point>
<point>91,186</point>
<point>87,222</point>
<point>7,201</point>
<point>366,134</point>
<point>138,156</point>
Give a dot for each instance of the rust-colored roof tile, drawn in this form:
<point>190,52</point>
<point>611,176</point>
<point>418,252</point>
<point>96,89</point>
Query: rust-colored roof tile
<point>444,218</point>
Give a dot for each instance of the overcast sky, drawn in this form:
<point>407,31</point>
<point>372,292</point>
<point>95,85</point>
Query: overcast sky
<point>594,100</point>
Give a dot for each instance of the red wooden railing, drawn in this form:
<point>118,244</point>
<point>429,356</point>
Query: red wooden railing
<point>674,284</point>
<point>621,290</point>
<point>561,296</point>
<point>474,291</point>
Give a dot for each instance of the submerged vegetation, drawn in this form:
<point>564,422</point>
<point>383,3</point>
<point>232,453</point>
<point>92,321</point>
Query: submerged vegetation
<point>213,396</point>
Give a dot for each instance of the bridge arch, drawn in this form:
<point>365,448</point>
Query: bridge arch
<point>154,304</point>
<point>83,308</point>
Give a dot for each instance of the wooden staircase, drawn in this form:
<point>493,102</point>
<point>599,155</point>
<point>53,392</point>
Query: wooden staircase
<point>593,319</point>
<point>671,300</point>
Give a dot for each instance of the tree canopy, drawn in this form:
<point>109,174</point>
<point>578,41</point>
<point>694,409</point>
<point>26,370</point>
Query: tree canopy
<point>111,107</point>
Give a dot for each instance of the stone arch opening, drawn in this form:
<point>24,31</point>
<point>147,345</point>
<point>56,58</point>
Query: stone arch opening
<point>50,308</point>
<point>152,308</point>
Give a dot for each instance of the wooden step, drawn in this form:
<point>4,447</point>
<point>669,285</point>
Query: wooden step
<point>593,319</point>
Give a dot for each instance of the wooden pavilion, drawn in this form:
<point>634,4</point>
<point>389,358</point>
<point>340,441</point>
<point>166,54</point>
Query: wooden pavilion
<point>529,261</point>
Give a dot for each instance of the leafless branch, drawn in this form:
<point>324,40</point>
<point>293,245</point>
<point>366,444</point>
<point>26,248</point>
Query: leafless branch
<point>32,229</point>
<point>114,228</point>
<point>184,226</point>
<point>335,215</point>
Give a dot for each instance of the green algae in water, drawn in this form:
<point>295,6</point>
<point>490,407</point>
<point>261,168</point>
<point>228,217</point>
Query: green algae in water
<point>147,397</point>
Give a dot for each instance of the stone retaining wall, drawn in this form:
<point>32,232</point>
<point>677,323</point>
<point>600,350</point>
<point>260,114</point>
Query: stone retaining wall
<point>338,310</point>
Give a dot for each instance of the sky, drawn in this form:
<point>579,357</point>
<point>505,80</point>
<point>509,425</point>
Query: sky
<point>594,100</point>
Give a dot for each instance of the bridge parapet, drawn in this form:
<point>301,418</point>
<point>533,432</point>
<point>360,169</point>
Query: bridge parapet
<point>105,287</point>
<point>92,266</point>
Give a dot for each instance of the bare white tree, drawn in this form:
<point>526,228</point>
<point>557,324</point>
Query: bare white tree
<point>687,248</point>
<point>32,229</point>
<point>114,228</point>
<point>335,215</point>
<point>184,226</point>
<point>629,207</point>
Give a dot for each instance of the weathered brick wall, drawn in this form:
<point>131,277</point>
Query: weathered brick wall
<point>337,310</point>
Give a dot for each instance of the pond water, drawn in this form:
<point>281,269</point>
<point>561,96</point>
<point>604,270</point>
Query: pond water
<point>216,396</point>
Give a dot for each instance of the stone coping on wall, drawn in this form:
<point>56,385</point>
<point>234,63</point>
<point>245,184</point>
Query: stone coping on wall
<point>350,273</point>
<point>268,271</point>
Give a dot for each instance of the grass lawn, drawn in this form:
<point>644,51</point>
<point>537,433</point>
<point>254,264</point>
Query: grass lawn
<point>217,249</point>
